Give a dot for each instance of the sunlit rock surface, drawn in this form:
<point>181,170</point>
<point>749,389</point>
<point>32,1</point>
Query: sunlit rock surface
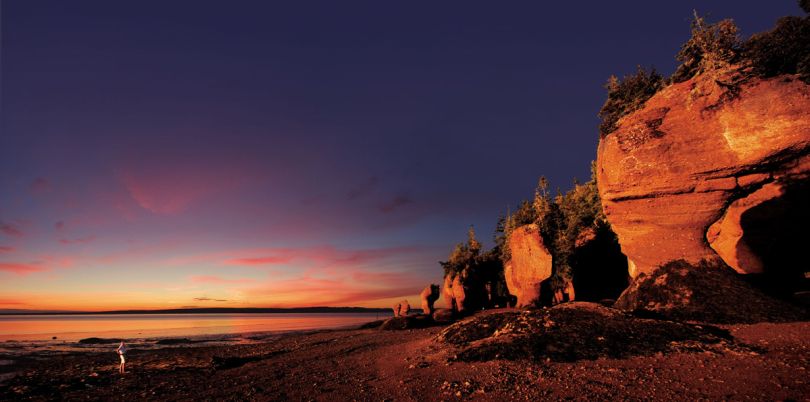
<point>701,173</point>
<point>530,264</point>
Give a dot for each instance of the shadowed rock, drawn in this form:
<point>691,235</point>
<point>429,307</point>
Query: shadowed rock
<point>98,341</point>
<point>443,315</point>
<point>708,292</point>
<point>575,331</point>
<point>407,322</point>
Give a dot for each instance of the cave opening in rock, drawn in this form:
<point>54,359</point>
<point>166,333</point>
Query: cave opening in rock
<point>599,268</point>
<point>776,232</point>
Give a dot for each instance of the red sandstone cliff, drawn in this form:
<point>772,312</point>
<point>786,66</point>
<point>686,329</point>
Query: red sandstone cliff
<point>699,174</point>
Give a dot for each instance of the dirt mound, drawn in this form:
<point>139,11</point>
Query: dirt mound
<point>575,331</point>
<point>708,292</point>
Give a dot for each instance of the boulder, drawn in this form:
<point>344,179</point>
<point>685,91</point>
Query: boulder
<point>429,296</point>
<point>698,172</point>
<point>529,264</point>
<point>707,292</point>
<point>402,309</point>
<point>443,315</point>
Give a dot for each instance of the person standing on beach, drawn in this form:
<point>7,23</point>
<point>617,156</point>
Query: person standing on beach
<point>122,350</point>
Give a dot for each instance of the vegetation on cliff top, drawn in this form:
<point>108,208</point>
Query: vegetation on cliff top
<point>567,223</point>
<point>477,267</point>
<point>711,47</point>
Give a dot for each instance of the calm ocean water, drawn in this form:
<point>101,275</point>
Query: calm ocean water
<point>71,328</point>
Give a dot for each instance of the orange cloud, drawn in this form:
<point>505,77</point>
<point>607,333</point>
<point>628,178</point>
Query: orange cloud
<point>19,268</point>
<point>308,291</point>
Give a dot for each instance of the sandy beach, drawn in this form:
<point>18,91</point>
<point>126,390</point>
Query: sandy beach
<point>769,362</point>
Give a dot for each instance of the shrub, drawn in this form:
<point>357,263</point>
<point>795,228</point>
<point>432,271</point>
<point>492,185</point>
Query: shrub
<point>627,95</point>
<point>478,269</point>
<point>711,46</point>
<point>783,50</point>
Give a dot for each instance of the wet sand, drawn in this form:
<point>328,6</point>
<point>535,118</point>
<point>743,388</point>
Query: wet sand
<point>411,365</point>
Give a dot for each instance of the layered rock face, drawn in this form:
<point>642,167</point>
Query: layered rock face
<point>529,264</point>
<point>707,172</point>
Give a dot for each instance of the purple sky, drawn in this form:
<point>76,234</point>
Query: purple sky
<point>259,153</point>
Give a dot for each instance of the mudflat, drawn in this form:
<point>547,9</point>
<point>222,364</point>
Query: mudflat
<point>768,362</point>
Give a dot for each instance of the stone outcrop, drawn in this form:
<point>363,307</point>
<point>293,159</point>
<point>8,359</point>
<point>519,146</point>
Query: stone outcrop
<point>402,309</point>
<point>575,331</point>
<point>707,292</point>
<point>443,315</point>
<point>429,296</point>
<point>698,172</point>
<point>529,264</point>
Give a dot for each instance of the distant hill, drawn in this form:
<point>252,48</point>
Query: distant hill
<point>212,310</point>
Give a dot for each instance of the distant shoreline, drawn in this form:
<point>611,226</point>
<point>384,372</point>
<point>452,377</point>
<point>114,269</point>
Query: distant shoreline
<point>212,310</point>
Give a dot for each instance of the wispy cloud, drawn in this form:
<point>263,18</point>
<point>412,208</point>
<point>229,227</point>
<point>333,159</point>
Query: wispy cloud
<point>395,203</point>
<point>269,260</point>
<point>80,240</point>
<point>10,229</point>
<point>209,299</point>
<point>40,186</point>
<point>6,249</point>
<point>20,268</point>
<point>363,188</point>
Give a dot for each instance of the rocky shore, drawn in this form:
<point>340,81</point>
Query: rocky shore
<point>765,361</point>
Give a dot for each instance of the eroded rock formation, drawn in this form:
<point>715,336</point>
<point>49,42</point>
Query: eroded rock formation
<point>429,296</point>
<point>529,265</point>
<point>708,170</point>
<point>401,309</point>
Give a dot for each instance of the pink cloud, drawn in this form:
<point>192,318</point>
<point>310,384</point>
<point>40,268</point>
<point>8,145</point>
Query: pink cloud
<point>40,186</point>
<point>271,260</point>
<point>19,268</point>
<point>170,187</point>
<point>10,229</point>
<point>395,203</point>
<point>308,291</point>
<point>6,249</point>
<point>322,257</point>
<point>80,240</point>
<point>219,280</point>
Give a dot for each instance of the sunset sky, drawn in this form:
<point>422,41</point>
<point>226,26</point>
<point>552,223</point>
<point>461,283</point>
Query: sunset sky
<point>281,154</point>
